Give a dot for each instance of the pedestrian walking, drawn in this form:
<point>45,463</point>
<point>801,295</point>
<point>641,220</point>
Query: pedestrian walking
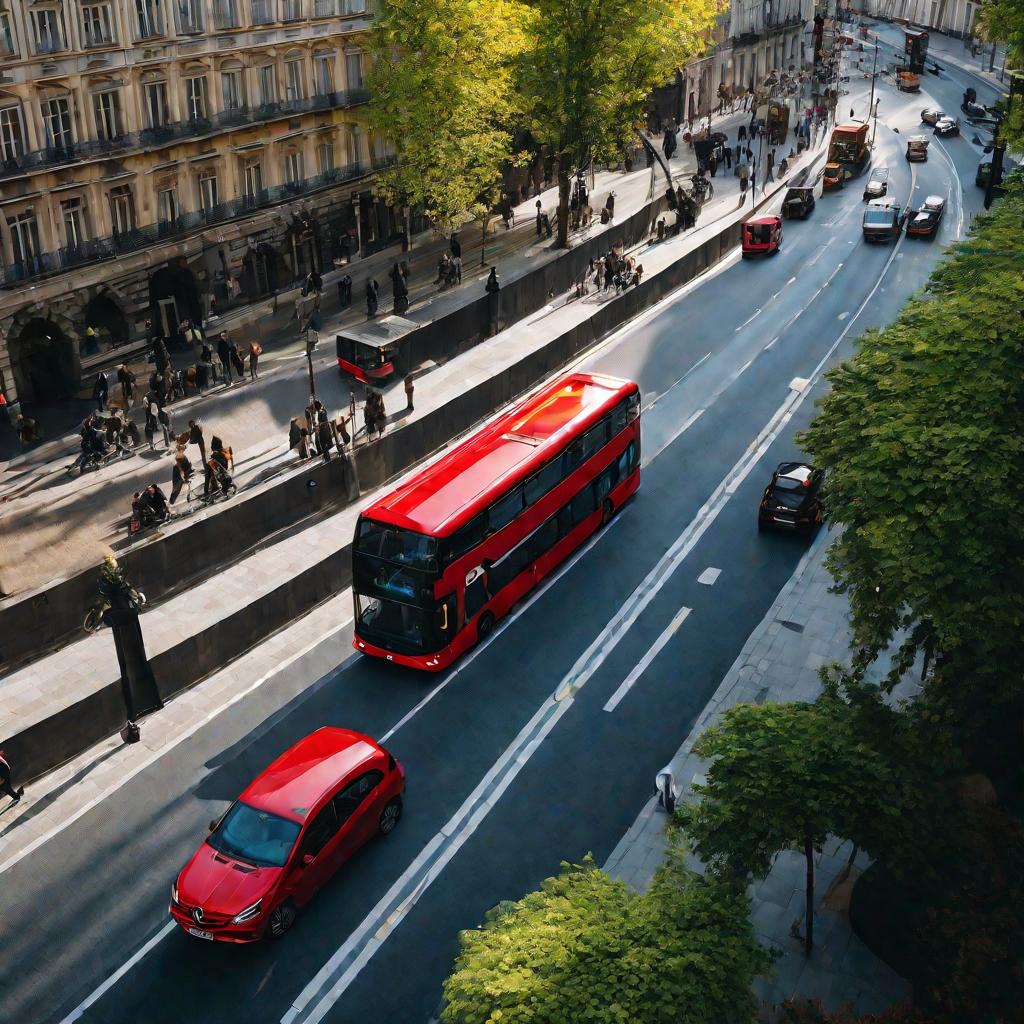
<point>409,386</point>
<point>180,474</point>
<point>195,436</point>
<point>224,350</point>
<point>712,165</point>
<point>769,167</point>
<point>255,351</point>
<point>164,419</point>
<point>152,419</point>
<point>456,247</point>
<point>5,780</point>
<point>372,288</point>
<point>609,270</point>
<point>540,222</point>
<point>28,430</point>
<point>99,391</point>
<point>493,289</point>
<point>727,152</point>
<point>609,205</point>
<point>126,379</point>
<point>345,292</point>
<point>546,222</point>
<point>341,435</point>
<point>298,438</point>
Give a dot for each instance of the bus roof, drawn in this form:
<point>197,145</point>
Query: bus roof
<point>463,482</point>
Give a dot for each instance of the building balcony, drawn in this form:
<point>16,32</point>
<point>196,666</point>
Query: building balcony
<point>48,264</point>
<point>163,135</point>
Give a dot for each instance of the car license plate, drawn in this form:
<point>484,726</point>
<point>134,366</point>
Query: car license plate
<point>200,934</point>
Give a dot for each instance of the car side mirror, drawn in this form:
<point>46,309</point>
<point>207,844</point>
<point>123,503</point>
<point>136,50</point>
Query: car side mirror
<point>213,825</point>
<point>307,859</point>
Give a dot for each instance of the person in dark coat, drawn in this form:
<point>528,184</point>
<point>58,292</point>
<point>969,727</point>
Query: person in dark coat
<point>727,153</point>
<point>345,292</point>
<point>224,350</point>
<point>180,474</point>
<point>456,247</point>
<point>99,391</point>
<point>126,379</point>
<point>5,780</point>
<point>400,289</point>
<point>371,297</point>
<point>238,360</point>
<point>493,289</point>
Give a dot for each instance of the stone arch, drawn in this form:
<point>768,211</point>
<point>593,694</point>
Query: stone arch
<point>104,314</point>
<point>174,295</point>
<point>43,347</point>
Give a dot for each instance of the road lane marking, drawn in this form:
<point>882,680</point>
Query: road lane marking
<point>657,398</point>
<point>641,666</point>
<point>770,343</point>
<point>749,319</point>
<point>157,754</point>
<point>709,576</point>
<point>77,1012</point>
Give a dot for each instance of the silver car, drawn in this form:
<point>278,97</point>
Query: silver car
<point>930,115</point>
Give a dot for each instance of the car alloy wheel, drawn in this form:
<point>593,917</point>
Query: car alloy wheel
<point>390,816</point>
<point>282,918</point>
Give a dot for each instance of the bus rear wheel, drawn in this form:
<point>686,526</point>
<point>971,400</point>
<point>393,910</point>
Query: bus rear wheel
<point>484,626</point>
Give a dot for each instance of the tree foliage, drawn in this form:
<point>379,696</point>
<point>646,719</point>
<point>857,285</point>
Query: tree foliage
<point>587,948</point>
<point>1003,20</point>
<point>590,69</point>
<point>921,434</point>
<point>441,91</point>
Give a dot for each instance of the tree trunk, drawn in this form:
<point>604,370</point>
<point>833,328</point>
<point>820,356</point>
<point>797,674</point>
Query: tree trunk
<point>564,183</point>
<point>809,909</point>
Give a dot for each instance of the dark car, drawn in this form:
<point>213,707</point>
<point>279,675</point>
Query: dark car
<point>799,202</point>
<point>947,126</point>
<point>792,501</point>
<point>976,113</point>
<point>925,221</point>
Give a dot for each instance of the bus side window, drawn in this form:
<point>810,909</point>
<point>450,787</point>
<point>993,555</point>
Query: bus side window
<point>544,539</point>
<point>582,505</point>
<point>572,456</point>
<point>633,406</point>
<point>619,417</point>
<point>542,481</point>
<point>468,537</point>
<point>476,596</point>
<point>595,438</point>
<point>604,483</point>
<point>564,521</point>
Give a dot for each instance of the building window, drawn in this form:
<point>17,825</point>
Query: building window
<point>57,118</point>
<point>268,84</point>
<point>122,210</point>
<point>7,47</point>
<point>24,234</point>
<point>262,12</point>
<point>149,18</point>
<point>232,90</point>
<point>195,98</point>
<point>293,167</point>
<point>46,30</point>
<point>208,191</point>
<point>225,14</point>
<point>12,135</point>
<point>72,213</point>
<point>106,107</point>
<point>291,10</point>
<point>253,179</point>
<point>323,8</point>
<point>355,144</point>
<point>354,69</point>
<point>323,65</point>
<point>325,157</point>
<point>190,16</point>
<point>97,26</point>
<point>294,79</point>
<point>167,205</point>
<point>156,104</point>
<point>355,6</point>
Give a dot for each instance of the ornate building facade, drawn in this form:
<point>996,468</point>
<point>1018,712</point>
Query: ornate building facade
<point>158,157</point>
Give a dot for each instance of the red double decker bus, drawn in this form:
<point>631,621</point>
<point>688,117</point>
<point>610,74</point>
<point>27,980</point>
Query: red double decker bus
<point>440,559</point>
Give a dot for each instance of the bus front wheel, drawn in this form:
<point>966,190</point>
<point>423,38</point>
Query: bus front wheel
<point>484,626</point>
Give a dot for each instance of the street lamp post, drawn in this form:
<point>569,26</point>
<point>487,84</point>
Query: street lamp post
<point>874,114</point>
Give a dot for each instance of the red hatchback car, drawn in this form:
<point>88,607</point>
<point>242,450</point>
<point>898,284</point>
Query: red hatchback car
<point>286,835</point>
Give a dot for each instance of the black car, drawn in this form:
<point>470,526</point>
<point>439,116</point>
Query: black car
<point>799,202</point>
<point>792,501</point>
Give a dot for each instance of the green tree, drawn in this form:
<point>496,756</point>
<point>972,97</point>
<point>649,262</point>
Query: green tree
<point>1003,20</point>
<point>441,91</point>
<point>586,947</point>
<point>590,70</point>
<point>783,776</point>
<point>921,434</point>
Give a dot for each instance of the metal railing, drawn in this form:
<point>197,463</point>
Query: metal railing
<point>190,129</point>
<point>122,243</point>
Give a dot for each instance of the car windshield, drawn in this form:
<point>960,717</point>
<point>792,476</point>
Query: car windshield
<point>254,836</point>
<point>397,545</point>
<point>881,217</point>
<point>785,483</point>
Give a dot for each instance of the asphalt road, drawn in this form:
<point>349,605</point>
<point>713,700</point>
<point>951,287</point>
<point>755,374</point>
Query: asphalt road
<point>715,366</point>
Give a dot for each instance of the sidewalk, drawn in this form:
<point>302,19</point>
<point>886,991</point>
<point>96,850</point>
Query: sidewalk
<point>805,628</point>
<point>67,676</point>
<point>54,526</point>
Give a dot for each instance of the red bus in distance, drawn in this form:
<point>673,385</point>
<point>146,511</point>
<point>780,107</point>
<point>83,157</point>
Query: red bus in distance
<point>439,560</point>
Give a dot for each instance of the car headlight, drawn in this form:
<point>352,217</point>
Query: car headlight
<point>249,913</point>
<point>174,892</point>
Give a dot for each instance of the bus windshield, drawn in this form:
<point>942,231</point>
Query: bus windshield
<point>394,621</point>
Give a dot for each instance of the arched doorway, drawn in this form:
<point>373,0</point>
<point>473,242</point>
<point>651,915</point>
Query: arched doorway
<point>173,297</point>
<point>104,316</point>
<point>263,270</point>
<point>45,362</point>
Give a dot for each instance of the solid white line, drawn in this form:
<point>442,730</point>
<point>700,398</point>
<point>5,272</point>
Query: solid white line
<point>747,321</point>
<point>770,343</point>
<point>641,666</point>
<point>77,1012</point>
<point>744,367</point>
<point>658,398</point>
<point>157,754</point>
